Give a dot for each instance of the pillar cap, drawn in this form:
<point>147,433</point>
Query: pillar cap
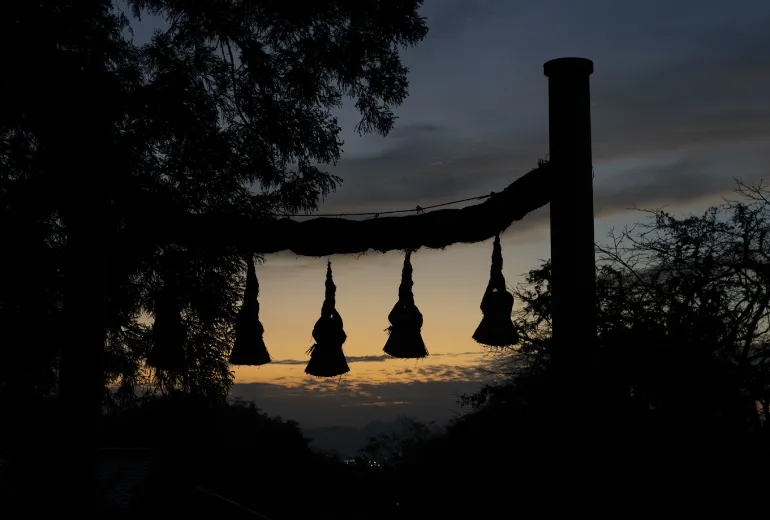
<point>568,67</point>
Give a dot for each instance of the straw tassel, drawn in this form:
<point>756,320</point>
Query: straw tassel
<point>405,340</point>
<point>326,356</point>
<point>168,352</point>
<point>496,328</point>
<point>249,347</point>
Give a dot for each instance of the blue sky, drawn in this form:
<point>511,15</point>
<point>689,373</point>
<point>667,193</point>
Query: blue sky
<point>680,107</point>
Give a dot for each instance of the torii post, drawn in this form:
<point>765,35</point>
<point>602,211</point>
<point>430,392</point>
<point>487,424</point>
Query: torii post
<point>573,262</point>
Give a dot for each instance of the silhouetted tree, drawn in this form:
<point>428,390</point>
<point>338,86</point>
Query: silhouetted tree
<point>682,375</point>
<point>227,110</point>
<point>683,310</point>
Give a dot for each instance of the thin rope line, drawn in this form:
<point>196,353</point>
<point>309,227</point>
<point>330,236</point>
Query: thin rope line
<point>418,209</point>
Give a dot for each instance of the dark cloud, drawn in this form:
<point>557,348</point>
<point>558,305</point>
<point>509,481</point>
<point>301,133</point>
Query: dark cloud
<point>689,176</point>
<point>426,170</point>
<point>690,79</point>
<point>450,17</point>
<point>426,391</point>
<point>415,131</point>
<point>682,180</point>
<point>716,94</point>
<point>351,359</point>
<point>368,359</point>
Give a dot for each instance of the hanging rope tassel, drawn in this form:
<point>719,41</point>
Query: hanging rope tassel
<point>249,347</point>
<point>326,356</point>
<point>405,340</point>
<point>496,328</point>
<point>168,352</point>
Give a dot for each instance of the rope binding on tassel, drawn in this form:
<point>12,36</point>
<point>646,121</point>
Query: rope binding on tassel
<point>496,328</point>
<point>249,348</point>
<point>327,358</point>
<point>404,334</point>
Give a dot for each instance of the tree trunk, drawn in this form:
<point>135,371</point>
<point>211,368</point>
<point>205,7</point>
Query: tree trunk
<point>81,374</point>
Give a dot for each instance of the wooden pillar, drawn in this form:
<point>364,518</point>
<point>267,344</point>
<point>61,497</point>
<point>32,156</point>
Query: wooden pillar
<point>572,219</point>
<point>573,281</point>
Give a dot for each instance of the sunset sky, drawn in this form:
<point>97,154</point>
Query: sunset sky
<point>681,106</point>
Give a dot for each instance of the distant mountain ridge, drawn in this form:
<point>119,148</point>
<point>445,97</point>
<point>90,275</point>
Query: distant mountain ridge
<point>346,441</point>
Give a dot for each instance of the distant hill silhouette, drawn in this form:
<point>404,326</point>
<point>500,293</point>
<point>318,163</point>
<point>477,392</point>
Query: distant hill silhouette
<point>346,441</point>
